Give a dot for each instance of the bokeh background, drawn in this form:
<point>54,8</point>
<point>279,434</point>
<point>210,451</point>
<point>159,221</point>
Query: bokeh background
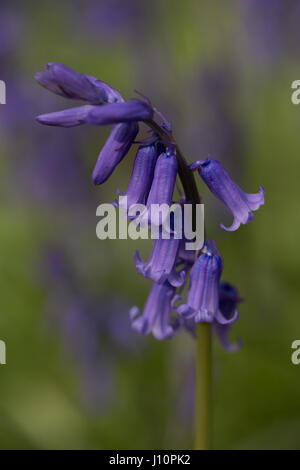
<point>76,375</point>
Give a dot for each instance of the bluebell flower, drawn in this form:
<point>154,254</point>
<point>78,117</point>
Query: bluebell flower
<point>228,300</point>
<point>67,117</point>
<point>142,175</point>
<point>156,316</point>
<point>162,187</point>
<point>64,81</point>
<point>203,295</point>
<point>161,265</point>
<point>95,330</point>
<point>224,188</point>
<point>114,150</point>
<point>135,110</point>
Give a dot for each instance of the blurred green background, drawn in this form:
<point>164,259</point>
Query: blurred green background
<point>221,72</point>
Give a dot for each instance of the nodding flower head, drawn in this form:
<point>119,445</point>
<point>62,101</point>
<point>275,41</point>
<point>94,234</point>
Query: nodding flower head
<point>114,150</point>
<point>162,187</point>
<point>151,187</point>
<point>156,316</point>
<point>162,262</point>
<point>224,188</point>
<point>64,81</point>
<point>228,301</point>
<point>130,111</point>
<point>141,176</point>
<point>203,295</point>
<point>134,110</point>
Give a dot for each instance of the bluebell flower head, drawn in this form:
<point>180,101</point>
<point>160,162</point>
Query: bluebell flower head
<point>163,184</point>
<point>228,301</point>
<point>156,316</point>
<point>141,176</point>
<point>114,150</point>
<point>134,110</point>
<point>203,295</point>
<point>64,81</point>
<point>162,262</point>
<point>157,164</point>
<point>224,188</point>
<point>67,117</point>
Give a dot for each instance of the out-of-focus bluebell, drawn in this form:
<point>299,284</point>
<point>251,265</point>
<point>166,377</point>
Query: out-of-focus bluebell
<point>95,331</point>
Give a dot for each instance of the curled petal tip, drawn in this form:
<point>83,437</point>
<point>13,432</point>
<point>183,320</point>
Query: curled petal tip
<point>224,321</point>
<point>235,225</point>
<point>185,311</point>
<point>134,312</point>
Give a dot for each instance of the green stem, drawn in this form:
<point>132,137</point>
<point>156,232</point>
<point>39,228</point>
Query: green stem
<point>203,395</point>
<point>203,387</point>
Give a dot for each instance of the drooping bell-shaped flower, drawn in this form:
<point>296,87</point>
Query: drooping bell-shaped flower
<point>228,300</point>
<point>67,117</point>
<point>114,150</point>
<point>162,262</point>
<point>162,187</point>
<point>101,115</point>
<point>224,188</point>
<point>203,295</point>
<point>64,81</point>
<point>141,176</point>
<point>134,110</point>
<point>156,316</point>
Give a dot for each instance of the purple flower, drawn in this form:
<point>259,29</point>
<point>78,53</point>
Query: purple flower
<point>134,110</point>
<point>66,118</point>
<point>224,188</point>
<point>228,300</point>
<point>162,262</point>
<point>112,20</point>
<point>163,184</point>
<point>203,295</point>
<point>156,317</point>
<point>95,330</point>
<point>142,175</point>
<point>267,26</point>
<point>187,257</point>
<point>64,81</point>
<point>114,150</point>
<point>130,111</point>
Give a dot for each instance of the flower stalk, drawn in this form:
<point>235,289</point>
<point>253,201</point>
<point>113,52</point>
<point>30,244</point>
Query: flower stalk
<point>203,385</point>
<point>203,392</point>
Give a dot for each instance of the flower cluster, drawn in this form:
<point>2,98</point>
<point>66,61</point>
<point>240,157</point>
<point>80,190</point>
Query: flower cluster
<point>157,165</point>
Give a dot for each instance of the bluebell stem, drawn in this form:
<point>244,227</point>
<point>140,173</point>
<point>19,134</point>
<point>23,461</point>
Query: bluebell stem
<point>224,188</point>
